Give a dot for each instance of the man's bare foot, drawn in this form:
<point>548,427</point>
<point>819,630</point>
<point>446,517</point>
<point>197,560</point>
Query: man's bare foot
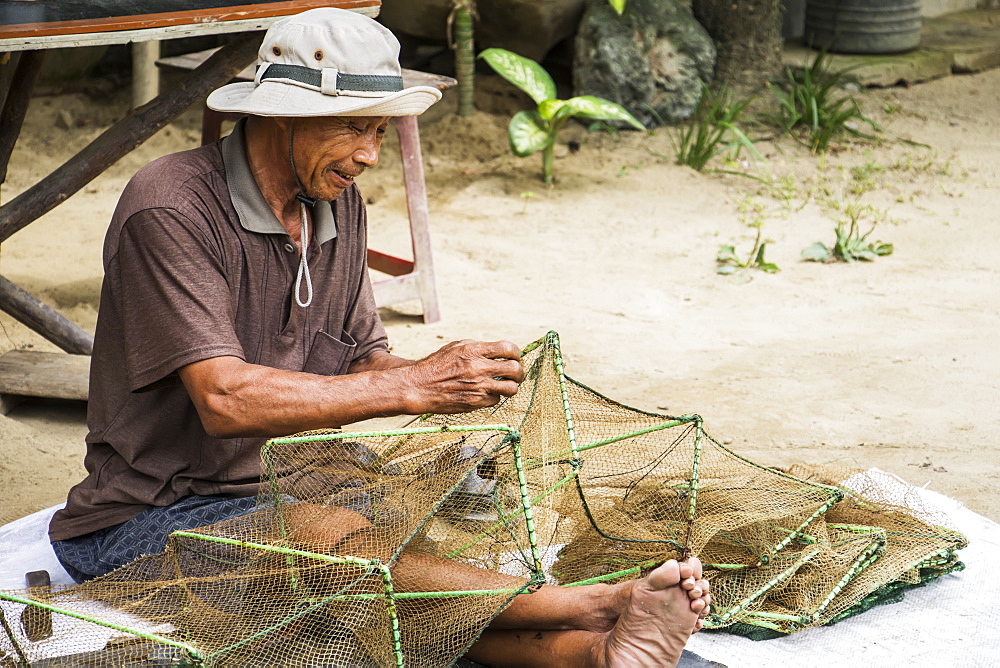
<point>608,605</point>
<point>697,588</point>
<point>657,622</point>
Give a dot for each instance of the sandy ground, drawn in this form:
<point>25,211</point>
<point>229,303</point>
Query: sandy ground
<point>892,364</point>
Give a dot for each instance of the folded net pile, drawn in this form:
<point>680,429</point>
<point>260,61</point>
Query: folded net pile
<point>556,485</point>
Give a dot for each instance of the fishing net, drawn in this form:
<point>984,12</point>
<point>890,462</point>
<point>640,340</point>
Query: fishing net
<point>448,520</point>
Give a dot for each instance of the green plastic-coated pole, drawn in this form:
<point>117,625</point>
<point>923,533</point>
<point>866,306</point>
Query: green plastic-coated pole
<point>529,516</point>
<point>465,56</point>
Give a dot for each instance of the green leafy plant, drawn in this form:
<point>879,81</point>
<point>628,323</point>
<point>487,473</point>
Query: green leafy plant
<point>850,244</point>
<point>812,104</point>
<point>531,131</point>
<point>712,130</point>
<point>752,213</point>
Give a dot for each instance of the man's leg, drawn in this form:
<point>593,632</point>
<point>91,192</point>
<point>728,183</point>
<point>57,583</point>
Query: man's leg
<point>101,552</point>
<point>638,623</point>
<point>650,632</point>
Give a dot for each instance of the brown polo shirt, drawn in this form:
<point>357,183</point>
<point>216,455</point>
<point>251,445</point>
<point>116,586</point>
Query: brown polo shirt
<point>197,266</point>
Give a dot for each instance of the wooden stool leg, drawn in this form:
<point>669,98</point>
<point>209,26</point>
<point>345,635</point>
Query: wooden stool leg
<point>211,125</point>
<point>416,204</point>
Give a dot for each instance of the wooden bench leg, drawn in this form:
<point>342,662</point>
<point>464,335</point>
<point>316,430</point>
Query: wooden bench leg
<point>416,205</point>
<point>211,124</point>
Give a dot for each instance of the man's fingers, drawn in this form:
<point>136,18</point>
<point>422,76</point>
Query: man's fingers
<point>507,370</point>
<point>498,350</point>
<point>506,388</point>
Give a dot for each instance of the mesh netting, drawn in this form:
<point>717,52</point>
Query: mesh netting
<point>555,485</point>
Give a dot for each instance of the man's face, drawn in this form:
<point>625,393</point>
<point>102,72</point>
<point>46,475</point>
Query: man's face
<point>331,151</point>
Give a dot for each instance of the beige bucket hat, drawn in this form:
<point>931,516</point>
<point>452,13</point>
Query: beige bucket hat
<point>326,62</point>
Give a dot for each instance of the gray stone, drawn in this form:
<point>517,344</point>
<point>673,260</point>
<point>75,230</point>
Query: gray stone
<point>651,60</point>
<point>527,27</point>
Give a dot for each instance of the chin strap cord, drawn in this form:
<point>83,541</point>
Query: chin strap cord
<point>303,263</point>
<point>304,201</point>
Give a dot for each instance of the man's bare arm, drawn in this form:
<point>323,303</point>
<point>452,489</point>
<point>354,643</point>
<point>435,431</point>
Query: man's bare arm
<point>235,398</point>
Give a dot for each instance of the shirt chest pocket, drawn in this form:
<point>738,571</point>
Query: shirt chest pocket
<point>330,356</point>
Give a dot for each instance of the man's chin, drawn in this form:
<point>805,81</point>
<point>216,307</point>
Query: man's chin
<point>327,194</point>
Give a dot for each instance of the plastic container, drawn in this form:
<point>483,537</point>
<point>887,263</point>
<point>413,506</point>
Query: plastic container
<point>863,26</point>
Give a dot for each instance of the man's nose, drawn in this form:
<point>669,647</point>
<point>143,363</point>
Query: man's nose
<point>366,152</point>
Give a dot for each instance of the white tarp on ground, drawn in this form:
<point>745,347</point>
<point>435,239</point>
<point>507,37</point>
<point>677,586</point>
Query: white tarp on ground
<point>24,547</point>
<point>953,622</point>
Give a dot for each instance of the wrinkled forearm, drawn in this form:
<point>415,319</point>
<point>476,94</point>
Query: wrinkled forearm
<point>237,399</point>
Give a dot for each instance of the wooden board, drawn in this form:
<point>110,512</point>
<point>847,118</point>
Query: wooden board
<point>42,18</point>
<point>31,373</point>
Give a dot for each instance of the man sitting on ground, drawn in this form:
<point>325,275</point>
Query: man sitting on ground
<point>236,306</point>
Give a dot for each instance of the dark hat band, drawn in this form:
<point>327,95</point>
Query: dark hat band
<point>365,83</point>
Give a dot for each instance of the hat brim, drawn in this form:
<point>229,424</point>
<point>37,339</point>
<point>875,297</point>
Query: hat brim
<point>274,98</point>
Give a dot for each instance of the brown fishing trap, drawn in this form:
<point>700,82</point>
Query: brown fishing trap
<point>557,485</point>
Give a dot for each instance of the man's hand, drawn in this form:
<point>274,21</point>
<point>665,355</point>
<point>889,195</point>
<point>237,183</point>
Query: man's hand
<point>463,376</point>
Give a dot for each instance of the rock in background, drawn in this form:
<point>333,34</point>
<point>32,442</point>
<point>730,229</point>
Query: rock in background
<point>654,56</point>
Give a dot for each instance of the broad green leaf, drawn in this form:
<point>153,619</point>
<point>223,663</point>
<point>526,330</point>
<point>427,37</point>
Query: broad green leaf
<point>884,249</point>
<point>866,255</point>
<point>816,253</point>
<point>769,267</point>
<point>726,254</point>
<point>617,5</point>
<point>550,108</point>
<point>759,259</point>
<point>524,73</point>
<point>597,108</point>
<point>726,269</point>
<point>526,134</point>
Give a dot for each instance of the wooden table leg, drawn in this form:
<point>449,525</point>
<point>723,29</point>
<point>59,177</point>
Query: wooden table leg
<point>145,75</point>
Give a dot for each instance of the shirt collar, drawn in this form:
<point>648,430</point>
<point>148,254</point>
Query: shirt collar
<point>254,213</point>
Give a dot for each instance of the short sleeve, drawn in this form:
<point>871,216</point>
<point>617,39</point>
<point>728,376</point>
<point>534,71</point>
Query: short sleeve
<point>175,301</point>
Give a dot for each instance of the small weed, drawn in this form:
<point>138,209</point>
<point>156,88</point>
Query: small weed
<point>863,178</point>
<point>850,244</point>
<point>752,214</point>
<point>730,263</point>
<point>812,103</point>
<point>624,169</point>
<point>712,130</point>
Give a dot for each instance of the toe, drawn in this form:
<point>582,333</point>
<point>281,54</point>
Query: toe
<point>665,575</point>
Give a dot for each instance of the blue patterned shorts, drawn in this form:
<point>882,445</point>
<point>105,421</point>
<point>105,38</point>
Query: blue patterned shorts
<point>102,551</point>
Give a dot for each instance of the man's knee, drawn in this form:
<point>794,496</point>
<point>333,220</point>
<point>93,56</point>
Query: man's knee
<point>330,529</point>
